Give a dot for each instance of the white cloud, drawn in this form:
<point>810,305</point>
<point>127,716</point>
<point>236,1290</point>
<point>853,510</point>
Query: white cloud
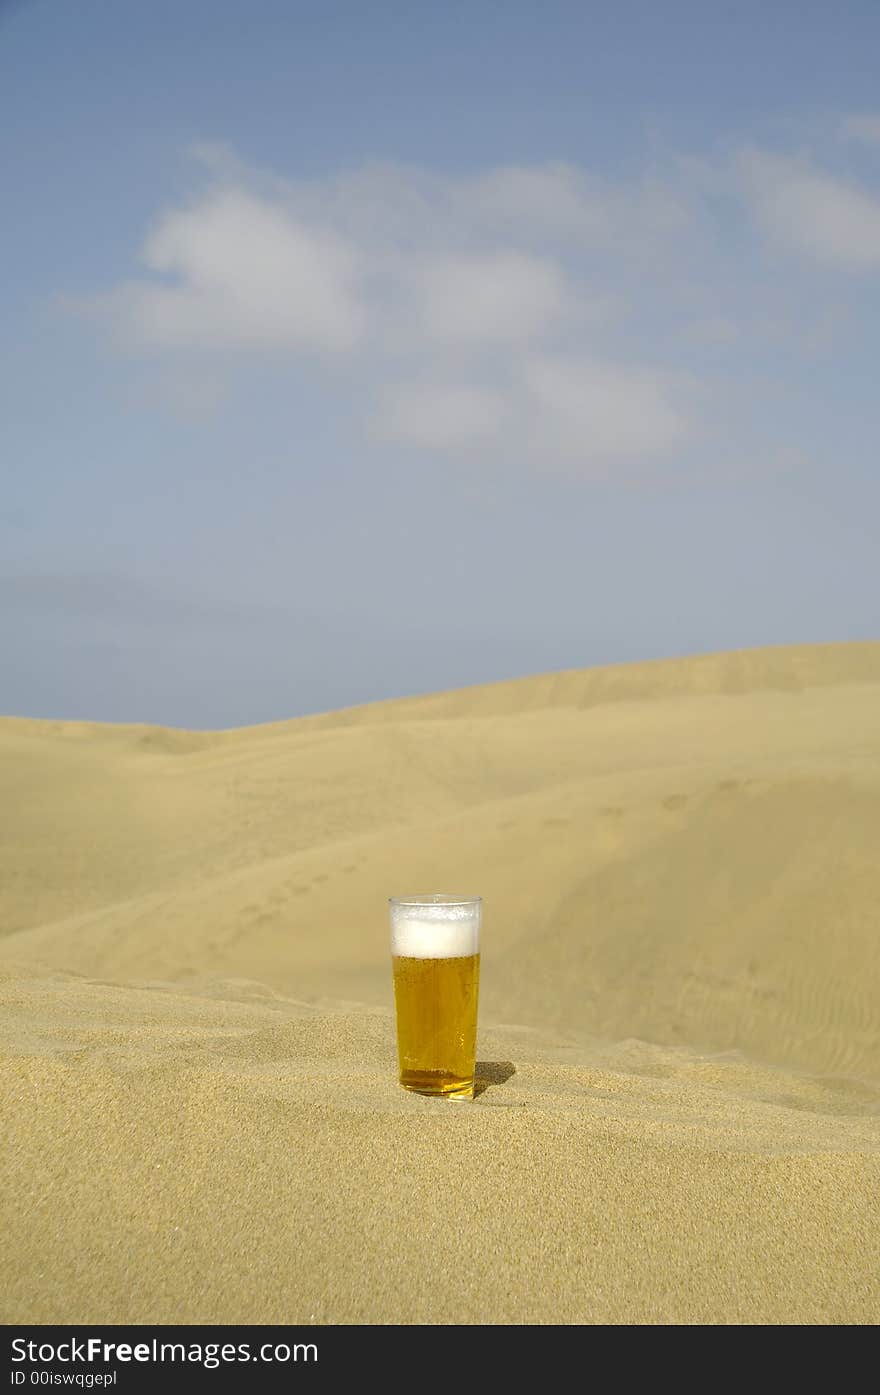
<point>244,273</point>
<point>441,416</point>
<point>562,202</point>
<point>826,218</point>
<point>556,198</point>
<point>535,315</point>
<point>465,309</point>
<point>863,126</point>
<point>520,316</point>
<point>530,207</point>
<point>488,297</point>
<point>587,410</point>
<point>577,411</point>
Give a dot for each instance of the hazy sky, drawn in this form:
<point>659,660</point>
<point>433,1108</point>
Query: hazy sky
<point>359,349</point>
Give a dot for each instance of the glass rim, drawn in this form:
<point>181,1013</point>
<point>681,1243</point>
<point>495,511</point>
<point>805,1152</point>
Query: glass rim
<point>437,898</point>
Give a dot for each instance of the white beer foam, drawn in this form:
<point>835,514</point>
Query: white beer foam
<point>439,931</point>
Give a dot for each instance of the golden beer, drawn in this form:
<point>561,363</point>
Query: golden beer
<point>437,1023</point>
<point>435,944</point>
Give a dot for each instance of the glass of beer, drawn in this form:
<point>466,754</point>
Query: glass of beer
<point>435,948</point>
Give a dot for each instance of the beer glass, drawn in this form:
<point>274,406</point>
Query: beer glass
<point>435,949</point>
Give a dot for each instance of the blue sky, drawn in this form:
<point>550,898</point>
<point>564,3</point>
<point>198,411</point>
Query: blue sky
<point>355,350</point>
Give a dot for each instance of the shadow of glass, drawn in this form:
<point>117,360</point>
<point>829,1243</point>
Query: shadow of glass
<point>489,1073</point>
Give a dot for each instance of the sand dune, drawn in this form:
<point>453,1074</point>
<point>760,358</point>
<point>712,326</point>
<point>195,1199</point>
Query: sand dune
<point>679,1117</point>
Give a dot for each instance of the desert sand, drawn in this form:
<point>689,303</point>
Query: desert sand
<point>678,1114</point>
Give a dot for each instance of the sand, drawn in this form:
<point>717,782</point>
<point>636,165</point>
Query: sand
<point>678,1114</point>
